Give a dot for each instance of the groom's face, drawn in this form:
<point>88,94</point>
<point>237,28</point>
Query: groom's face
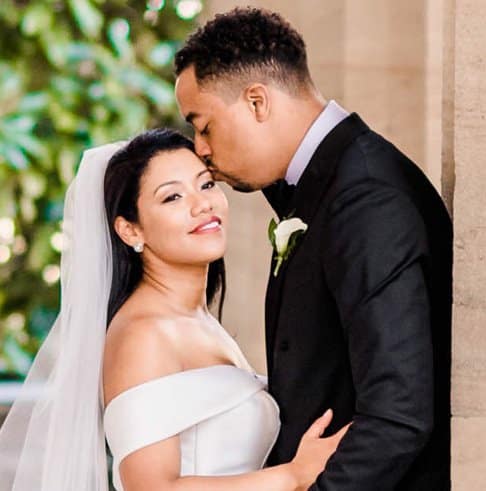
<point>227,136</point>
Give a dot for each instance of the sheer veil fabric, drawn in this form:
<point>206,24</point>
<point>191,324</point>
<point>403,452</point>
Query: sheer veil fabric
<point>53,438</point>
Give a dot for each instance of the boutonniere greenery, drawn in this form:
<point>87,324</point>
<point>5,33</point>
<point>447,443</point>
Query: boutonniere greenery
<point>283,237</point>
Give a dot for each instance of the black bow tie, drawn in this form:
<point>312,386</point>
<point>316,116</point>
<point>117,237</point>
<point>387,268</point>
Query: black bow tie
<point>288,191</point>
<point>286,195</point>
<point>280,196</point>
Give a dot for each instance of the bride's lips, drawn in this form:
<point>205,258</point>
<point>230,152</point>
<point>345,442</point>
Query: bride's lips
<point>213,224</point>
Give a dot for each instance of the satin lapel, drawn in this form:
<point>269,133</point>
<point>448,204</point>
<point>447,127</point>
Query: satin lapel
<point>307,196</point>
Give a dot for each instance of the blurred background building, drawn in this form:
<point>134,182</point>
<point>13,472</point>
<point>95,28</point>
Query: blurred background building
<point>77,73</point>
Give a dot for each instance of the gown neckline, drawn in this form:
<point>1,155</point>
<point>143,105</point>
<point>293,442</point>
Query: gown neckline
<point>182,373</point>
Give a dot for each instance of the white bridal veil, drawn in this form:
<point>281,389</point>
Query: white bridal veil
<point>53,439</point>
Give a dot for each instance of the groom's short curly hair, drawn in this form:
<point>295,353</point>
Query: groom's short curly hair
<point>245,45</point>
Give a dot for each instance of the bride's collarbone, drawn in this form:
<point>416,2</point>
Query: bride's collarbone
<point>203,351</point>
<point>195,342</point>
<point>198,345</point>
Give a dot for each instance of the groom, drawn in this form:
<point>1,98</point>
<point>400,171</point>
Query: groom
<point>358,316</point>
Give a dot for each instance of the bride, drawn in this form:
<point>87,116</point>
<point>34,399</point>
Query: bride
<point>181,409</point>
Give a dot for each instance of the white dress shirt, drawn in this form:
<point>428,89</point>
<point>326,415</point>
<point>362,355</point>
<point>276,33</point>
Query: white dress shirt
<point>329,118</point>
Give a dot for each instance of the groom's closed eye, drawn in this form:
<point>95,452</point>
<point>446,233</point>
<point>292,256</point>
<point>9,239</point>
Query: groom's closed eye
<point>205,131</point>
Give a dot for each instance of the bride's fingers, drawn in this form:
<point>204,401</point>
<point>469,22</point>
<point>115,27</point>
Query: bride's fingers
<point>339,434</point>
<point>317,428</point>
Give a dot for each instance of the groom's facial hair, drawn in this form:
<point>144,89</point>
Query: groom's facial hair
<point>235,183</point>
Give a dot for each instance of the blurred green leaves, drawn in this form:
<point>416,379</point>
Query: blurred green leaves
<point>73,74</point>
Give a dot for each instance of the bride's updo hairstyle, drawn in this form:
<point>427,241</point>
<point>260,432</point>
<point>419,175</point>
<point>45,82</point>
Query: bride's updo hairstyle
<point>122,187</point>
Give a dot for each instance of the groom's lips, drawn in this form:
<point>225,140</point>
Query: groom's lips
<point>208,226</point>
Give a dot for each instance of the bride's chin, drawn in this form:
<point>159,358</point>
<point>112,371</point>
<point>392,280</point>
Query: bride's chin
<point>211,254</point>
<point>206,259</point>
<point>215,257</point>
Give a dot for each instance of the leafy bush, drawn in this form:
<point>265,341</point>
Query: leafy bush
<point>73,74</point>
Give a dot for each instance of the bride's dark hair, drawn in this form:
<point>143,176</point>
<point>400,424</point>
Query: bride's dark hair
<point>121,190</point>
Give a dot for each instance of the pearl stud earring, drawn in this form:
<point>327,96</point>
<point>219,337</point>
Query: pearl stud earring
<point>138,247</point>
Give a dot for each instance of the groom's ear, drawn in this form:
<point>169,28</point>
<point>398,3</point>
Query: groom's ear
<point>257,97</point>
<point>127,231</point>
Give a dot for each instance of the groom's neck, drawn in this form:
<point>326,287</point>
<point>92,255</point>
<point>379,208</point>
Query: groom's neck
<point>304,111</point>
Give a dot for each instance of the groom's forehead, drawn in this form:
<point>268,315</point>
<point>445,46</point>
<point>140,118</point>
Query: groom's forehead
<point>183,90</point>
<point>189,95</point>
<point>193,100</point>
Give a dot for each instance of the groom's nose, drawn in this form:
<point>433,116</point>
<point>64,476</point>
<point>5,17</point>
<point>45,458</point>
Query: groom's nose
<point>202,147</point>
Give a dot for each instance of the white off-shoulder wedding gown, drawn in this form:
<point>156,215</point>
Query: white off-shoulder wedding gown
<point>226,420</point>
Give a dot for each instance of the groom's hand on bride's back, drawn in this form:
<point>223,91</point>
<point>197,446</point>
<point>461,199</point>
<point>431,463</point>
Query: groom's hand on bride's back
<point>314,451</point>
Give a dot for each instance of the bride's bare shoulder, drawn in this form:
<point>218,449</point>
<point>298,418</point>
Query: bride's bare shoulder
<point>138,349</point>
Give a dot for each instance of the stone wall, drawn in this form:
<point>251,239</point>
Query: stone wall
<point>465,180</point>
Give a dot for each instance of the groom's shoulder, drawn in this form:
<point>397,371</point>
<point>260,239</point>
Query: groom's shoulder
<point>372,158</point>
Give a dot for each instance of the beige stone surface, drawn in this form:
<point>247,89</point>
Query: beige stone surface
<point>469,130</point>
<point>385,68</point>
<point>434,30</point>
<point>469,454</point>
<point>448,102</point>
<point>469,247</point>
<point>247,266</point>
<point>464,180</point>
<point>469,362</point>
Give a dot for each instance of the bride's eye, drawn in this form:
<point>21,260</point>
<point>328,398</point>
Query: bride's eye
<point>208,185</point>
<point>172,197</point>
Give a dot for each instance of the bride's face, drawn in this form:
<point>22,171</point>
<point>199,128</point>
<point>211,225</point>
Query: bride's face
<point>182,211</point>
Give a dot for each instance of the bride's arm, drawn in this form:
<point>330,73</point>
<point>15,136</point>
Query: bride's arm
<point>144,351</point>
<point>157,467</point>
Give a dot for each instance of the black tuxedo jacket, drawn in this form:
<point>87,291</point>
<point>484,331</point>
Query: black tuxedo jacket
<point>359,317</point>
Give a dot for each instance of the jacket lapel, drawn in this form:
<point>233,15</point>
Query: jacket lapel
<point>304,203</point>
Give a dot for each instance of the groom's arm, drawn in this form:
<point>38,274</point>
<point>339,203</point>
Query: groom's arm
<point>374,267</point>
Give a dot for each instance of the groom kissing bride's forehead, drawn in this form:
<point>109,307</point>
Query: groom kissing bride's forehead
<point>358,317</point>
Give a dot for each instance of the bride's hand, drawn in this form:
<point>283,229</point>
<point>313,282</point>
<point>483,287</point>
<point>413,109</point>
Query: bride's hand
<point>314,452</point>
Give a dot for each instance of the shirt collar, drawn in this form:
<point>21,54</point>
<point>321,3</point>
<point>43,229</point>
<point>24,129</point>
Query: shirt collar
<point>330,117</point>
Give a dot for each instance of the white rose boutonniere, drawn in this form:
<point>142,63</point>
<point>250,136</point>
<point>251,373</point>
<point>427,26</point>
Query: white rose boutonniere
<point>283,237</point>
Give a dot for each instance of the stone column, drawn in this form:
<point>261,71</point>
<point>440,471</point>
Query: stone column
<point>465,180</point>
<point>433,90</point>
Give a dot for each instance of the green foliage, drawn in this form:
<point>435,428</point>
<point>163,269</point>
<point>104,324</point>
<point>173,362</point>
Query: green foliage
<point>73,74</point>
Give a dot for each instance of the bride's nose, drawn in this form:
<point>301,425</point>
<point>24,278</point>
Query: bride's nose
<point>200,204</point>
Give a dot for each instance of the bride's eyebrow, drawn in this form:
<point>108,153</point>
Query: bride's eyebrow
<point>168,183</point>
<point>203,172</point>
